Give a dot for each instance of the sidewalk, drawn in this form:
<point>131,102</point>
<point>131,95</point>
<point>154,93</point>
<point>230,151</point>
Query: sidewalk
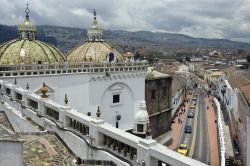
<point>176,127</point>
<point>212,132</point>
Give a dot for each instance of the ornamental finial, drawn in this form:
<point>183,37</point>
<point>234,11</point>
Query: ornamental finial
<point>66,99</point>
<point>94,14</point>
<point>98,112</point>
<point>44,90</point>
<point>27,11</point>
<point>27,86</point>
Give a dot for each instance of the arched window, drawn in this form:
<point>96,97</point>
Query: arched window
<point>111,57</point>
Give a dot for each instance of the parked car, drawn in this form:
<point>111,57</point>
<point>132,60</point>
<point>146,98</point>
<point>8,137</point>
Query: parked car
<point>183,149</point>
<point>190,115</point>
<point>188,129</point>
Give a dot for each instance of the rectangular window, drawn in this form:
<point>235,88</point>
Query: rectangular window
<point>153,95</point>
<point>116,98</point>
<point>139,128</point>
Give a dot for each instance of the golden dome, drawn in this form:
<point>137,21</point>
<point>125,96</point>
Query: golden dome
<point>94,52</point>
<point>95,49</point>
<point>29,51</point>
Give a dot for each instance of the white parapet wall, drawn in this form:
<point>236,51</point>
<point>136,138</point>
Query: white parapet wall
<point>89,138</point>
<point>221,133</point>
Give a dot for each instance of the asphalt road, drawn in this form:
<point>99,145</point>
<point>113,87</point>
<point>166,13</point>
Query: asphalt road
<point>201,148</point>
<point>186,138</point>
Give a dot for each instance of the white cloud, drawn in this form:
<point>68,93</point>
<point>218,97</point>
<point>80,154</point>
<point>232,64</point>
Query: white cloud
<point>199,18</point>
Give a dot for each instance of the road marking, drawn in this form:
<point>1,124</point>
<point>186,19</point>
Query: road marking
<point>195,128</point>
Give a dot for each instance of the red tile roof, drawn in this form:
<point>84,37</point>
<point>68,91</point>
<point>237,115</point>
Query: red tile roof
<point>238,81</point>
<point>246,92</point>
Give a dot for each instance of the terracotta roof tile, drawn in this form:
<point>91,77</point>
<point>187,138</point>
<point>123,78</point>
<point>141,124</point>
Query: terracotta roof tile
<point>238,81</point>
<point>246,92</point>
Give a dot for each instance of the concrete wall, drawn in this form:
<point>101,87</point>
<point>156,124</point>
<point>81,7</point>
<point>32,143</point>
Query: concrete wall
<point>11,153</point>
<point>160,123</point>
<point>159,108</point>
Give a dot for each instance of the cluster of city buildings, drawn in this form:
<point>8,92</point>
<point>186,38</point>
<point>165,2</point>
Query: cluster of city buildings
<point>229,81</point>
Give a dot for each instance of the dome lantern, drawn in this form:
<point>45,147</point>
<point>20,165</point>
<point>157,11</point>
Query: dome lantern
<point>95,49</point>
<point>95,31</point>
<point>27,29</point>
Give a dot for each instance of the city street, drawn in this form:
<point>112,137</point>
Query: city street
<point>201,148</point>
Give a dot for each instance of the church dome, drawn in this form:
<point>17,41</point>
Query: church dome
<point>26,49</point>
<point>95,49</point>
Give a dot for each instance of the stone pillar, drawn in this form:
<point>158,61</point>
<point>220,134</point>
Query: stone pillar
<point>25,99</point>
<point>93,131</point>
<point>12,92</point>
<point>143,152</point>
<point>41,106</point>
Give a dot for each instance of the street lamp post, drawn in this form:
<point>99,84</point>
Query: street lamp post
<point>118,117</point>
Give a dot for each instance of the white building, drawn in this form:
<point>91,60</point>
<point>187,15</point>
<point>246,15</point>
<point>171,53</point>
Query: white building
<point>93,75</point>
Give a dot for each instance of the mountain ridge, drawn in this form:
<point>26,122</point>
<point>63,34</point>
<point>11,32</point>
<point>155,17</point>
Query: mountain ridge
<point>66,38</point>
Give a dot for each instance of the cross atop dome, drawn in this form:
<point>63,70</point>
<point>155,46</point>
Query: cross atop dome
<point>94,14</point>
<point>95,31</point>
<point>27,11</point>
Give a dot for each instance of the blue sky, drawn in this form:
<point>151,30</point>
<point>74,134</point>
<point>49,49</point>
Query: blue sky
<point>229,19</point>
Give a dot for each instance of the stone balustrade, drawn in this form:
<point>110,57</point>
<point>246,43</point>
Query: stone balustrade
<point>66,68</point>
<point>101,139</point>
